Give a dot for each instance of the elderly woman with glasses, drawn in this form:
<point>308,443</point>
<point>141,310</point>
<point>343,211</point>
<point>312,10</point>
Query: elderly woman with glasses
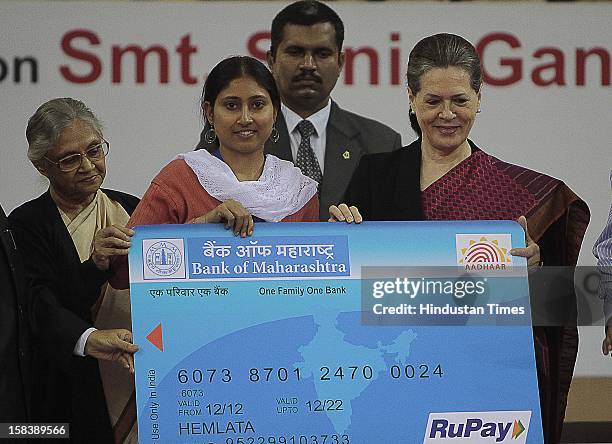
<point>65,236</point>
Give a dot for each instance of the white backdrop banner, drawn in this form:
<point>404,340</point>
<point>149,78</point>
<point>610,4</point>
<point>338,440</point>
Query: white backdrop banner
<point>546,103</point>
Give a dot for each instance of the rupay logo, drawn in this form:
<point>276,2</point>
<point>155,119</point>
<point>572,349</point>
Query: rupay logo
<point>478,427</point>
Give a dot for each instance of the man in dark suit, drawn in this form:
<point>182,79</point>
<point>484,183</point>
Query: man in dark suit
<point>323,140</point>
<point>14,333</point>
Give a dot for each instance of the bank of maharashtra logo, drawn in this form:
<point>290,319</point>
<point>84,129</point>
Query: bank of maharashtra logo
<point>484,251</point>
<point>478,427</point>
<point>163,258</point>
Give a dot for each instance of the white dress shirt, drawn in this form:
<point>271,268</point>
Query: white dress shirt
<point>318,138</point>
<point>79,347</point>
<point>603,252</point>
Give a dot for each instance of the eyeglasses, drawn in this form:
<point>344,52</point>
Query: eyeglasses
<point>74,161</point>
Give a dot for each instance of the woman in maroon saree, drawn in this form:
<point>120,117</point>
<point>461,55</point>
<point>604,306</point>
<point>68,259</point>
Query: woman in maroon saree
<point>445,176</point>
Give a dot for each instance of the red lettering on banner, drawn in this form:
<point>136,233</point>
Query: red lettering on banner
<point>549,67</point>
<point>253,44</point>
<point>558,65</point>
<point>70,51</point>
<point>139,54</point>
<point>516,65</point>
<point>604,57</point>
<point>185,49</point>
<point>394,54</point>
<point>349,57</point>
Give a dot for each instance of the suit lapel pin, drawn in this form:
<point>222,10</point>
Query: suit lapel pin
<point>346,155</point>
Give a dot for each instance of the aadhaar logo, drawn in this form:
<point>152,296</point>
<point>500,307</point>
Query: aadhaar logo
<point>484,251</point>
<point>478,427</point>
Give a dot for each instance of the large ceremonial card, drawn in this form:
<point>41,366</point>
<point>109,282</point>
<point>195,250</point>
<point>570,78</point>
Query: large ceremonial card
<point>330,333</point>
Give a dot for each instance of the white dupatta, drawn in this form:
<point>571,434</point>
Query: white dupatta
<point>281,190</point>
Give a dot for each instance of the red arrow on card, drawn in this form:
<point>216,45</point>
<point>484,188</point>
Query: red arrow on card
<point>155,337</point>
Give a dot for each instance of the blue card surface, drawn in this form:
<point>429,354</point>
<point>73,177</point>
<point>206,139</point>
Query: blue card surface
<point>320,333</point>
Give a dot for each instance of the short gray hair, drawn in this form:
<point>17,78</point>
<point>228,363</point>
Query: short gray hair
<point>50,119</point>
<point>442,51</point>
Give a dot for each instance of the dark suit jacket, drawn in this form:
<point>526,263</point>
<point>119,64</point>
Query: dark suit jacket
<point>346,133</point>
<point>386,186</point>
<point>14,331</point>
<point>67,388</point>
